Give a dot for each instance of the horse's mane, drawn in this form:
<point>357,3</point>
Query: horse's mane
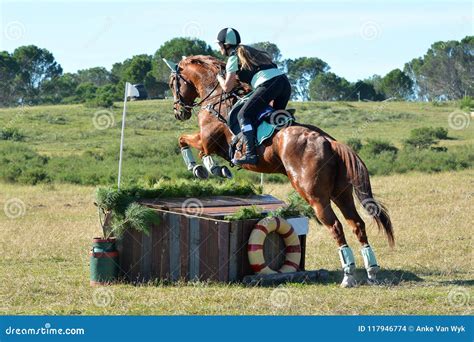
<point>206,61</point>
<point>212,64</point>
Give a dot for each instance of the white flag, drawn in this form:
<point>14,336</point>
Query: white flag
<point>132,91</point>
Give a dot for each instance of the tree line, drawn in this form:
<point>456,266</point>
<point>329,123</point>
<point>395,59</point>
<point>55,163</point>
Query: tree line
<point>31,75</point>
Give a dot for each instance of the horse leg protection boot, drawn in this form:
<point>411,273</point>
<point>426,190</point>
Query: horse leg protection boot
<point>370,262</point>
<point>348,266</point>
<point>188,158</point>
<point>211,166</point>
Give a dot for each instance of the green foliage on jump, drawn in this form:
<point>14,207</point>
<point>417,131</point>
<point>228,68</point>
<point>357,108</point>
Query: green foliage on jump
<point>115,199</point>
<point>122,205</point>
<point>246,213</point>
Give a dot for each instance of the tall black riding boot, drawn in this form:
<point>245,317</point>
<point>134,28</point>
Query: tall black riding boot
<point>250,156</point>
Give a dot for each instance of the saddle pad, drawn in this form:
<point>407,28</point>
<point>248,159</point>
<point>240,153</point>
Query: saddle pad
<point>265,130</point>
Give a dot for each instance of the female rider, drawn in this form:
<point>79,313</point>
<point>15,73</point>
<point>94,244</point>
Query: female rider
<point>269,83</point>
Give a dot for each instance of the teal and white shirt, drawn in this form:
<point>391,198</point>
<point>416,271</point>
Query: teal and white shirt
<point>253,77</point>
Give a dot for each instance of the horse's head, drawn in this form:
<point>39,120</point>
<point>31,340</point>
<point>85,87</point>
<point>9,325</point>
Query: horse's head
<point>191,78</point>
<point>184,94</point>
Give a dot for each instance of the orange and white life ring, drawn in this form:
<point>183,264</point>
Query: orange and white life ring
<point>257,239</point>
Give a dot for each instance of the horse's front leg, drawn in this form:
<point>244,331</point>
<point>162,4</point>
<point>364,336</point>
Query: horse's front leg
<point>192,140</point>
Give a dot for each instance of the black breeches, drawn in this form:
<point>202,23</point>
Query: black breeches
<point>277,89</point>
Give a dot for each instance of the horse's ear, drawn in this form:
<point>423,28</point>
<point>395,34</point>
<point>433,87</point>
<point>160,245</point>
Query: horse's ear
<point>183,57</point>
<point>171,65</point>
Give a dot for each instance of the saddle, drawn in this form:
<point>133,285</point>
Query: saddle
<point>266,124</point>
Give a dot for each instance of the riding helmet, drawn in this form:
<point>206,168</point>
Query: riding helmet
<point>228,36</point>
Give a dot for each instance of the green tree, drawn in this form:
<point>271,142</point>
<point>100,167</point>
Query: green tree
<point>397,84</point>
<point>300,73</point>
<point>35,66</point>
<point>8,70</point>
<point>154,88</point>
<point>61,89</point>
<point>99,76</point>
<point>174,50</point>
<point>329,87</point>
<point>86,91</point>
<point>137,68</point>
<point>271,48</point>
<point>104,96</point>
<point>445,71</point>
<point>376,82</point>
<point>364,91</point>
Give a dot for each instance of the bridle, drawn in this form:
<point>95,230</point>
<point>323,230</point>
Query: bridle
<point>178,98</point>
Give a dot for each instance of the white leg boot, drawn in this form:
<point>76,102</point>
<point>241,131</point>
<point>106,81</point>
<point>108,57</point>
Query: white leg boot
<point>348,265</point>
<point>198,170</point>
<point>370,263</point>
<point>215,169</point>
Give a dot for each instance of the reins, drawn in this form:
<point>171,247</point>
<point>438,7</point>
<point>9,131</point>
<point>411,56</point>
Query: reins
<point>209,107</point>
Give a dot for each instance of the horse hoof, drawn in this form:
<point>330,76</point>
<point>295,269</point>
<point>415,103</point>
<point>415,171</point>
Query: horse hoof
<point>200,172</point>
<point>225,172</point>
<point>373,282</point>
<point>348,281</point>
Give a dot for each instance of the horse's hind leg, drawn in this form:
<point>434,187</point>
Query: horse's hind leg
<point>322,208</point>
<point>345,201</point>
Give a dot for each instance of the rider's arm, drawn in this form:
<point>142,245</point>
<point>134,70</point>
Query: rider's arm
<point>229,82</point>
<point>231,69</point>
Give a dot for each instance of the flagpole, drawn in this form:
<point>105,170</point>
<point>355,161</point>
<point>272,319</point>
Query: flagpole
<point>123,131</point>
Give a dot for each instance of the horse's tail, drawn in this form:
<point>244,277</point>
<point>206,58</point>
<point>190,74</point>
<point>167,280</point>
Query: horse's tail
<point>358,176</point>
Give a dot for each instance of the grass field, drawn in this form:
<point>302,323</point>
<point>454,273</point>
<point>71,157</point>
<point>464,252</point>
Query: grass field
<point>46,229</point>
<point>79,145</point>
<point>44,263</point>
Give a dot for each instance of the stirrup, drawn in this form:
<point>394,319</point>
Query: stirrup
<point>251,160</point>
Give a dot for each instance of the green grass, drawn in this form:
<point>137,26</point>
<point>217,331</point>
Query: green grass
<point>44,251</point>
<point>66,146</point>
<point>44,265</point>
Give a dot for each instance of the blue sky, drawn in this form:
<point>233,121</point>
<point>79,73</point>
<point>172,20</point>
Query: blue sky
<point>356,38</point>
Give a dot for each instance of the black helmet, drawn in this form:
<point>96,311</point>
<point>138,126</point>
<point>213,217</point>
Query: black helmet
<point>228,36</point>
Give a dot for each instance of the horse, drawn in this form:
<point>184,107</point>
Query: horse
<point>321,169</point>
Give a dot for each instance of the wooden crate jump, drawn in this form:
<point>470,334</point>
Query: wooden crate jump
<point>200,245</point>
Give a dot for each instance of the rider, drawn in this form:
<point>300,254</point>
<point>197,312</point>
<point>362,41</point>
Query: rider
<point>269,83</point>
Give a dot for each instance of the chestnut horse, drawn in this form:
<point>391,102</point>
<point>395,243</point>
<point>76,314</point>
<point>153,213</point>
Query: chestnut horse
<point>319,168</point>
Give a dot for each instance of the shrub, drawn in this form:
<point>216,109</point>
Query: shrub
<point>376,147</point>
<point>355,144</point>
<point>467,103</point>
<point>11,133</point>
<point>440,133</point>
<point>20,164</point>
<point>425,137</point>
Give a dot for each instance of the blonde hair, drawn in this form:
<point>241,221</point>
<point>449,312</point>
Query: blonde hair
<point>251,57</point>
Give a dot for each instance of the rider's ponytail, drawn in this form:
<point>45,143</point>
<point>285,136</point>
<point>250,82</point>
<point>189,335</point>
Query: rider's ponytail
<point>251,57</point>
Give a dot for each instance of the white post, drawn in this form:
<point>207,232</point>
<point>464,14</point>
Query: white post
<point>261,179</point>
<point>123,131</point>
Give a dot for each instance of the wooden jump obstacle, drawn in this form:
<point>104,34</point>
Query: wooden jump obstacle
<point>196,242</point>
